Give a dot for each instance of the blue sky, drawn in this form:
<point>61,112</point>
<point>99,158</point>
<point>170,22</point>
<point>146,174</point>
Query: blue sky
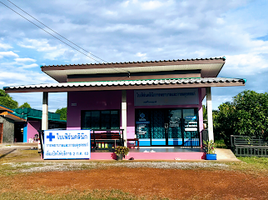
<point>134,30</point>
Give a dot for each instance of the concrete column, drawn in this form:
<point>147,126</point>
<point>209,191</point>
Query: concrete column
<point>45,111</point>
<point>209,115</point>
<point>124,115</point>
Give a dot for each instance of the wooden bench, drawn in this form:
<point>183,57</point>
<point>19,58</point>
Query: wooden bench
<point>135,140</point>
<point>104,139</point>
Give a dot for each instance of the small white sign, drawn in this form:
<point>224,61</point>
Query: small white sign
<point>67,144</point>
<point>191,129</point>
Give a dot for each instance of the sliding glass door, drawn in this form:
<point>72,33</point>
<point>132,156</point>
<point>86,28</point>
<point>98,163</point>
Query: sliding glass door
<point>167,127</point>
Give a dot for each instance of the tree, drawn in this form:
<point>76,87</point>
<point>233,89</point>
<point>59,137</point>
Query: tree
<point>247,114</point>
<point>63,113</point>
<point>25,105</point>
<point>7,100</point>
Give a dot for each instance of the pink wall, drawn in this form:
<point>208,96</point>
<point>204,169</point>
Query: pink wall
<point>130,114</point>
<point>105,100</point>
<point>32,128</point>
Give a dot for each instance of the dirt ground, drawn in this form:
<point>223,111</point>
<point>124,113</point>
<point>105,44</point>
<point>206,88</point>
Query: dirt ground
<point>198,183</point>
<point>149,182</point>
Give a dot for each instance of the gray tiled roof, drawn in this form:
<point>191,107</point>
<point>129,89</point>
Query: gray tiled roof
<point>198,81</point>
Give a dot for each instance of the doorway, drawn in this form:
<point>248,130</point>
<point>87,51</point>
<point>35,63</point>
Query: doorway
<point>167,127</point>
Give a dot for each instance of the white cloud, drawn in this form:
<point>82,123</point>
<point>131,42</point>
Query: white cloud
<point>141,55</point>
<point>30,66</point>
<point>5,46</point>
<point>151,5</point>
<point>39,45</point>
<point>25,60</point>
<point>8,54</point>
<point>246,64</point>
<point>19,78</point>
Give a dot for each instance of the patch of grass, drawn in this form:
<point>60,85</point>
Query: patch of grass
<point>220,144</point>
<point>20,154</point>
<point>74,194</point>
<point>7,169</point>
<point>251,165</point>
<point>257,162</point>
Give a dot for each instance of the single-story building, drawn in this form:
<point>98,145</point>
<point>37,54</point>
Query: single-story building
<point>158,102</point>
<point>22,124</point>
<point>11,125</point>
<point>33,123</point>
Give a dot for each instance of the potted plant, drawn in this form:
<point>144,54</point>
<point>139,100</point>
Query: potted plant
<point>209,147</point>
<point>121,152</point>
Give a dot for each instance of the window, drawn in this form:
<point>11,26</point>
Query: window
<point>100,119</point>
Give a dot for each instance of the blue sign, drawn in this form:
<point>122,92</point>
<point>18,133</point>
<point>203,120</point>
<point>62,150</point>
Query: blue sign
<point>190,117</point>
<point>67,144</point>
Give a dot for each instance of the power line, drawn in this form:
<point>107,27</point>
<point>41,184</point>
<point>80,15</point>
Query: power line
<point>96,57</point>
<point>54,32</point>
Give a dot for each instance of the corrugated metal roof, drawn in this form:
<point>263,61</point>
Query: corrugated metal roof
<point>130,83</point>
<point>37,114</point>
<point>138,62</point>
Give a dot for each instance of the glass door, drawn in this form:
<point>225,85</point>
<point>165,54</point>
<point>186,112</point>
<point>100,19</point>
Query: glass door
<point>191,133</point>
<point>158,130</point>
<point>142,121</point>
<point>175,135</point>
<point>166,127</point>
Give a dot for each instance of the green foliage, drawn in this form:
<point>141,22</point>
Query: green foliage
<point>25,105</point>
<point>247,114</point>
<point>220,144</point>
<point>63,113</point>
<point>7,100</point>
<point>209,147</point>
<point>204,112</point>
<point>121,150</point>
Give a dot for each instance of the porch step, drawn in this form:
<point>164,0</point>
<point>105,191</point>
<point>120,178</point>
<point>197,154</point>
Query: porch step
<point>151,156</point>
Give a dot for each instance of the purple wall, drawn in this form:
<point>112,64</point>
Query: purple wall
<point>106,100</point>
<point>78,101</point>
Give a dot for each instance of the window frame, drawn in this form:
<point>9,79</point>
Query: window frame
<point>100,120</point>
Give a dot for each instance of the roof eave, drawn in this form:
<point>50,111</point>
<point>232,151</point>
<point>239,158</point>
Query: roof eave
<point>131,85</point>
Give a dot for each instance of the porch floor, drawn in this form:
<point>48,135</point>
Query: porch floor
<point>166,149</point>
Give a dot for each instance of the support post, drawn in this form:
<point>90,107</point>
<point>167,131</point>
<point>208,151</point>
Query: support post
<point>124,115</point>
<point>209,114</point>
<point>45,111</point>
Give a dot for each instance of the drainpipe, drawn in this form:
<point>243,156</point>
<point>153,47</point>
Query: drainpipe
<point>45,111</point>
<point>209,114</point>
